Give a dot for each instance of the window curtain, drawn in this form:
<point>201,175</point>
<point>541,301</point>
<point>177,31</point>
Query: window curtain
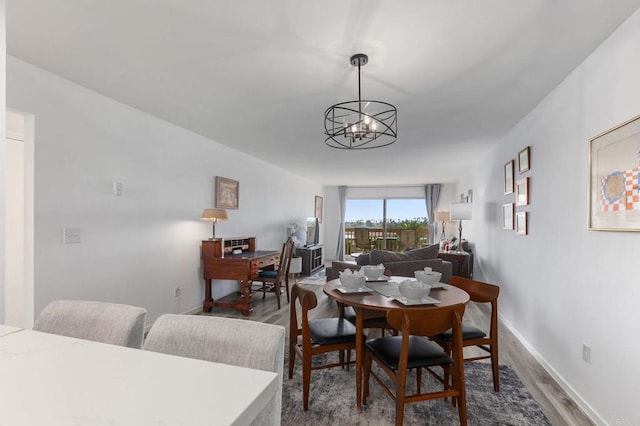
<point>431,197</point>
<point>342,199</point>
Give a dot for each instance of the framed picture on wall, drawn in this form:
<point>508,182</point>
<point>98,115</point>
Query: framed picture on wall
<point>521,222</point>
<point>522,192</point>
<point>227,191</point>
<point>523,160</point>
<point>614,184</point>
<point>508,177</point>
<point>507,216</point>
<point>318,208</point>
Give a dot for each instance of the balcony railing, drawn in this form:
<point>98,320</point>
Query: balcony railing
<point>377,239</point>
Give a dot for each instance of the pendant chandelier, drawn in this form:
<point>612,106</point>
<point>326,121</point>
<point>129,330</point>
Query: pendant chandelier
<point>361,124</point>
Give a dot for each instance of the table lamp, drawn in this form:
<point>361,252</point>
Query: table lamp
<point>214,215</point>
<point>443,217</point>
<point>461,211</point>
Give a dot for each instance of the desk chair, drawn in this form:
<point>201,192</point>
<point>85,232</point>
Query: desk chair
<point>225,340</point>
<point>272,280</point>
<point>398,354</point>
<point>479,292</point>
<point>314,337</point>
<point>121,325</point>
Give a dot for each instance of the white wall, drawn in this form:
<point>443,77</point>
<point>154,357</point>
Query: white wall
<point>3,50</point>
<point>562,285</point>
<point>332,203</point>
<point>136,247</point>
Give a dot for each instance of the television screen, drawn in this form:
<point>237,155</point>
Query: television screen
<point>313,231</point>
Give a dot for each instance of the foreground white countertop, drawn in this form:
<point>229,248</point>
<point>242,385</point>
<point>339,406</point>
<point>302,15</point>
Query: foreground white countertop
<point>7,329</point>
<point>47,379</point>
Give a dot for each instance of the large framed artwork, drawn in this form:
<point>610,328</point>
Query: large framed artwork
<point>614,197</point>
<point>318,208</point>
<point>227,193</point>
<point>508,177</point>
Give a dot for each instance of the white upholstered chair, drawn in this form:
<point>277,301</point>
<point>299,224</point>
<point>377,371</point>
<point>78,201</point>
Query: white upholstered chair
<point>112,323</point>
<point>231,341</point>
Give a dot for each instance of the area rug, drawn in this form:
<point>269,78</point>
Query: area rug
<point>317,279</point>
<point>332,401</point>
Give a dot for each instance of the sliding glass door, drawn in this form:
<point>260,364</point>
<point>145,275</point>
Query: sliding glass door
<point>390,224</point>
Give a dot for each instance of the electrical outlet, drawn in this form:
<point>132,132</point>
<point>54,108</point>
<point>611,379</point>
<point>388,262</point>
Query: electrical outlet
<point>586,353</point>
<point>176,292</point>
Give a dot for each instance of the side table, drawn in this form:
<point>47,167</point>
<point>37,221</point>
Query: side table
<point>461,261</point>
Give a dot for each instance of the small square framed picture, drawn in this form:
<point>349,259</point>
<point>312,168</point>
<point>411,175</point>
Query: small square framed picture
<point>521,222</point>
<point>507,216</point>
<point>524,160</point>
<point>508,177</point>
<point>522,192</point>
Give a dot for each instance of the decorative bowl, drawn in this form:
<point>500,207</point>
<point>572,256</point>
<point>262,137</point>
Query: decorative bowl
<point>373,271</point>
<point>428,277</point>
<point>352,281</point>
<point>414,290</point>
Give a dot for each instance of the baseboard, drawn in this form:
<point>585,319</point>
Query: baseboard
<point>575,396</point>
<point>191,311</point>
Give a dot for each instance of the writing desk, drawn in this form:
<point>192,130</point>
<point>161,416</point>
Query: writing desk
<point>374,301</point>
<point>220,263</point>
<point>55,380</point>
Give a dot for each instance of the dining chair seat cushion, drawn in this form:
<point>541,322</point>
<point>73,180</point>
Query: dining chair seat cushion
<point>469,332</point>
<point>331,330</point>
<point>422,352</point>
<point>268,274</point>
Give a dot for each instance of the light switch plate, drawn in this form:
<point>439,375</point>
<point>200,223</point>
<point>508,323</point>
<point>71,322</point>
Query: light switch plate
<point>71,235</point>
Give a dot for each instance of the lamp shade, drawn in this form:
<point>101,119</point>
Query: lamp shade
<point>461,211</point>
<point>442,216</point>
<point>214,215</point>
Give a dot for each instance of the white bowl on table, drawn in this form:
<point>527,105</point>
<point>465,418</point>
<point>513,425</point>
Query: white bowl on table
<point>414,290</point>
<point>430,278</point>
<point>352,281</point>
<point>373,271</point>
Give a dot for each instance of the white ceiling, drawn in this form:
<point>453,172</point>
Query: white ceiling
<point>257,75</point>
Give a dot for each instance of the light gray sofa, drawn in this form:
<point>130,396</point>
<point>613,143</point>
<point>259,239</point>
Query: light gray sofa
<point>400,264</point>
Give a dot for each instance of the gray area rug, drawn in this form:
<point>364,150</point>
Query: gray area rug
<point>332,401</point>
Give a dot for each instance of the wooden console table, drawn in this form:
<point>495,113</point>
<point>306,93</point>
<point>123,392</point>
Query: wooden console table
<point>461,261</point>
<point>221,263</point>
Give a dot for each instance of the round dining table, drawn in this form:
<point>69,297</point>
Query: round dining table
<point>365,301</point>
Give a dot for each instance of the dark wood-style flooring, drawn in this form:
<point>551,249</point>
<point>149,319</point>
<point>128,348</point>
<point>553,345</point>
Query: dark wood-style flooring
<point>554,401</point>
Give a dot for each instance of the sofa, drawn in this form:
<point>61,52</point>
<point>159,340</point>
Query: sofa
<point>400,264</point>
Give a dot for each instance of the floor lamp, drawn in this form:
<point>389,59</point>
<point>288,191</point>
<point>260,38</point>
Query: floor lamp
<point>443,217</point>
<point>461,211</point>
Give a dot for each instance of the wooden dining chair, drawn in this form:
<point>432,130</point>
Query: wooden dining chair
<point>479,292</point>
<point>412,350</point>
<point>274,280</point>
<point>310,337</point>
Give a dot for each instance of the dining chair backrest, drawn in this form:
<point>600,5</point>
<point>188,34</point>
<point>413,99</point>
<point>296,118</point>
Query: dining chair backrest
<point>424,322</point>
<point>230,341</point>
<point>104,322</point>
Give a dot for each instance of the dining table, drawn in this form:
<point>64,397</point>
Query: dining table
<point>48,379</point>
<point>382,295</point>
